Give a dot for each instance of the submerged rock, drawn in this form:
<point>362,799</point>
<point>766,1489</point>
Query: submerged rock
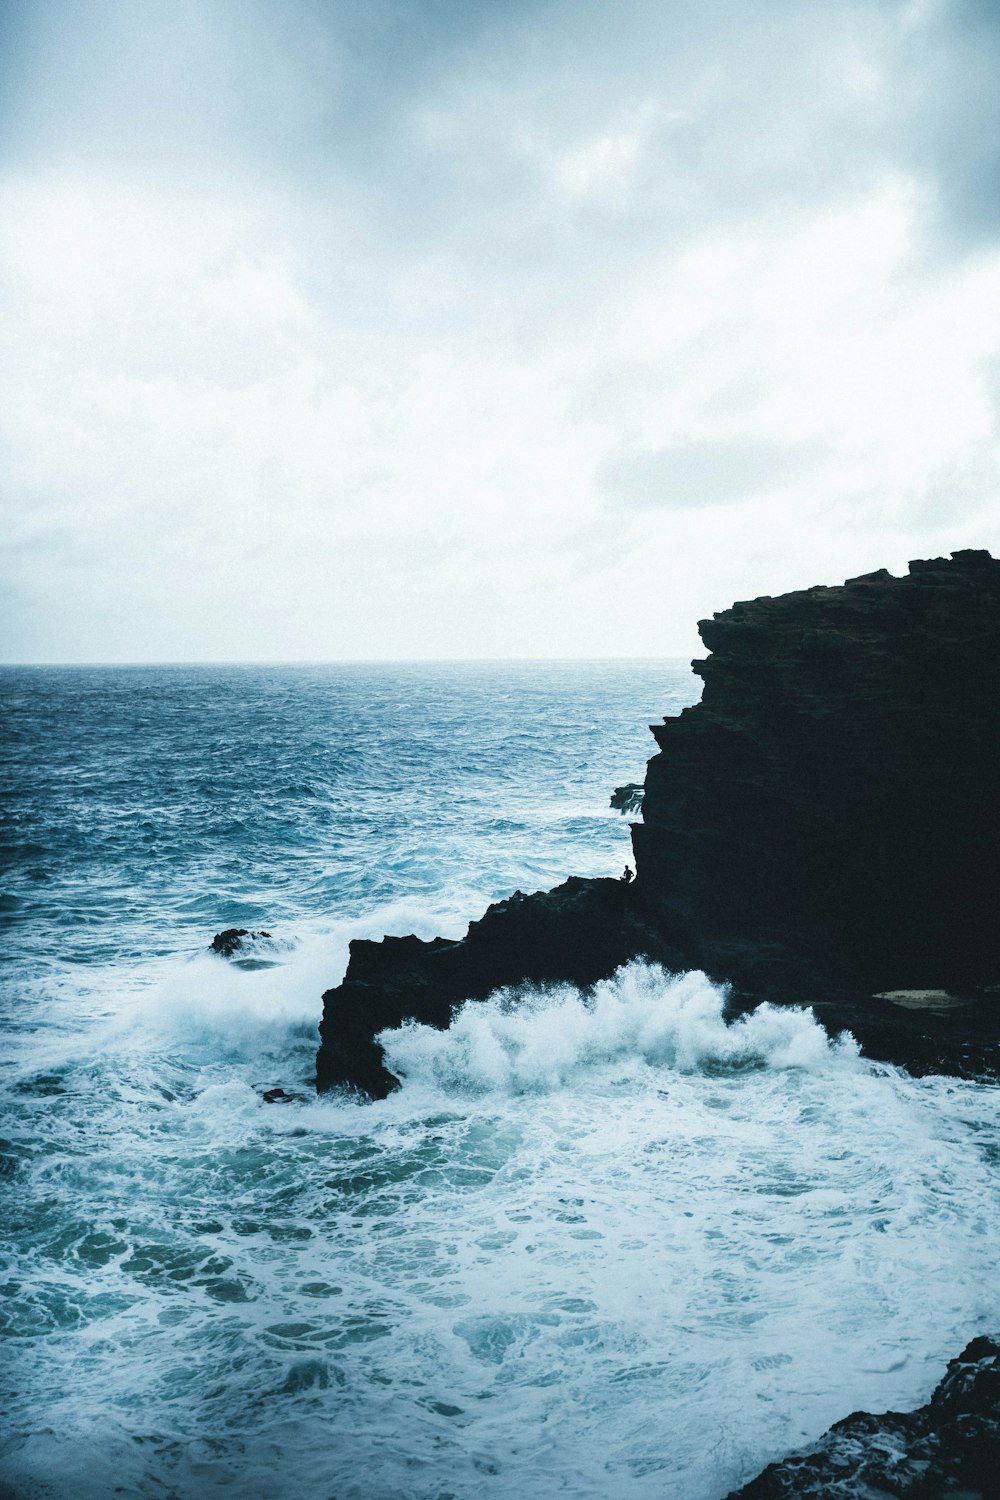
<point>951,1446</point>
<point>823,827</point>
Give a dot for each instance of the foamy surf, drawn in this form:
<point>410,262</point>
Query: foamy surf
<point>528,1040</point>
<point>608,1245</point>
<point>603,1245</point>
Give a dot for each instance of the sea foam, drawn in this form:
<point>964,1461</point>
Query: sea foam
<point>533,1039</point>
<point>605,1244</point>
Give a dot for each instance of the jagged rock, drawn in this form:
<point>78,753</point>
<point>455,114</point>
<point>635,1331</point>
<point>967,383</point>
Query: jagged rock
<point>628,798</point>
<point>580,932</point>
<point>234,940</point>
<point>823,827</point>
<point>835,794</point>
<point>951,1446</point>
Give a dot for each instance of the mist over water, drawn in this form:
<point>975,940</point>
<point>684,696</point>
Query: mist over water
<point>606,1245</point>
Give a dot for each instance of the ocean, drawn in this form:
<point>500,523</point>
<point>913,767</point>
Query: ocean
<point>607,1246</point>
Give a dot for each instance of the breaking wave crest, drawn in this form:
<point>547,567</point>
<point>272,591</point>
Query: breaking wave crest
<point>535,1040</point>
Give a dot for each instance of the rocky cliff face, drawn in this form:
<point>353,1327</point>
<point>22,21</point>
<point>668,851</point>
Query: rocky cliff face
<point>825,822</point>
<point>836,792</point>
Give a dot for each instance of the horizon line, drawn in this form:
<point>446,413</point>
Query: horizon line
<point>346,661</point>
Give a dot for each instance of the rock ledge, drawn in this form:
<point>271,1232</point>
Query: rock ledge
<point>951,1446</point>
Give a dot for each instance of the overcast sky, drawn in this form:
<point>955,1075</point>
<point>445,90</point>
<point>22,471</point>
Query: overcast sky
<point>456,328</point>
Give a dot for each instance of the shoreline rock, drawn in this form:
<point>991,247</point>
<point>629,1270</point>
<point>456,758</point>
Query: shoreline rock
<point>580,932</point>
<point>835,795</point>
<point>950,1446</point>
<point>822,828</point>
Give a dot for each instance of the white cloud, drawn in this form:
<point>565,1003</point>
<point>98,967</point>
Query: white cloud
<point>373,402</point>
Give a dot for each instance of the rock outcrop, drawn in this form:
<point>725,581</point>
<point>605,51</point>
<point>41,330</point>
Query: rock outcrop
<point>247,950</point>
<point>628,798</point>
<point>836,793</point>
<point>235,940</point>
<point>822,826</point>
<point>951,1446</point>
<point>580,932</point>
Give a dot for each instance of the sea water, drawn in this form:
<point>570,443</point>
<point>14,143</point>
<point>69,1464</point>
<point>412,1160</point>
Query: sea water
<point>613,1245</point>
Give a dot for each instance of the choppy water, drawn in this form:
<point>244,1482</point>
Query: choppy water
<point>609,1249</point>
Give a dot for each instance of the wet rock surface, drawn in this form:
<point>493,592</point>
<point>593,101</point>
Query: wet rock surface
<point>951,1446</point>
<point>234,941</point>
<point>822,828</point>
<point>578,933</point>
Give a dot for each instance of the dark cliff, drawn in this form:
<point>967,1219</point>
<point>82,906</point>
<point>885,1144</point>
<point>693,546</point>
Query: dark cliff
<point>824,823</point>
<point>836,792</point>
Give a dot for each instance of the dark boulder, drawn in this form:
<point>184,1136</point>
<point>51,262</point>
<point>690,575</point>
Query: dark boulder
<point>235,940</point>
<point>951,1446</point>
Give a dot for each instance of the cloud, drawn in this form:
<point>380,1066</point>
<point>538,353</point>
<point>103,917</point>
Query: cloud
<point>949,116</point>
<point>414,328</point>
<point>701,473</point>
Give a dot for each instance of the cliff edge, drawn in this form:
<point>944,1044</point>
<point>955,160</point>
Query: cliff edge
<point>836,792</point>
<point>823,827</point>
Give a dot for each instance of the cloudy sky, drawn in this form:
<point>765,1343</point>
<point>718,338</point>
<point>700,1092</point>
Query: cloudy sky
<point>458,328</point>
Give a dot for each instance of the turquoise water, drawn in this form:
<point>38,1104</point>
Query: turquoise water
<point>602,1247</point>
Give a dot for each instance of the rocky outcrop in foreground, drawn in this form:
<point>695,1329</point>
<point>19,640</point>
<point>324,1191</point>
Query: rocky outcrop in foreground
<point>824,826</point>
<point>581,932</point>
<point>951,1446</point>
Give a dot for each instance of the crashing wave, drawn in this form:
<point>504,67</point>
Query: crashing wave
<point>539,1039</point>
